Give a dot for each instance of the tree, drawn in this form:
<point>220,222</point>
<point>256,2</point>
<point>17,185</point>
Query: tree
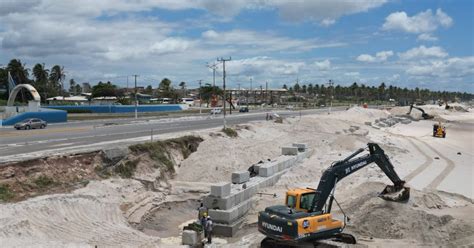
<point>149,90</point>
<point>297,88</point>
<point>208,90</point>
<point>72,86</point>
<point>41,75</point>
<point>18,71</point>
<point>57,77</point>
<point>285,87</point>
<point>104,89</point>
<point>183,88</point>
<point>166,90</point>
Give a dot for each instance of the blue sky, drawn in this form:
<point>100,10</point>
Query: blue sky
<point>426,44</point>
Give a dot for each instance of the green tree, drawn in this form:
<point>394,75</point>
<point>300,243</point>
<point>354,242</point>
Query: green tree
<point>104,89</point>
<point>56,78</point>
<point>149,90</point>
<point>183,88</point>
<point>208,90</point>
<point>18,71</point>
<point>297,88</point>
<point>72,87</point>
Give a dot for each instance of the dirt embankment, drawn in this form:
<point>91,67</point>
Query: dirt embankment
<point>62,174</point>
<point>429,218</point>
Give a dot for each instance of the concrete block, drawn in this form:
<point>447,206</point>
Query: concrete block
<point>368,123</point>
<point>301,146</point>
<point>227,230</point>
<point>231,215</point>
<point>221,189</point>
<point>266,170</point>
<point>240,176</point>
<point>289,150</point>
<point>190,237</point>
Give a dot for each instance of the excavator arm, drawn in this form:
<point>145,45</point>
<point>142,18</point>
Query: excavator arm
<point>423,113</point>
<point>349,165</point>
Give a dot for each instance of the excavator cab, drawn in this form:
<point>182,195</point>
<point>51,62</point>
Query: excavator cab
<point>439,130</point>
<point>300,199</point>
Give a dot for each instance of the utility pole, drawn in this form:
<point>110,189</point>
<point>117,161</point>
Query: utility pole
<point>213,67</point>
<point>223,81</point>
<point>251,88</point>
<point>266,91</point>
<point>331,83</point>
<point>136,100</point>
<point>200,99</point>
<point>239,93</point>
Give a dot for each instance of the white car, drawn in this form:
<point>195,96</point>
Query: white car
<point>215,111</point>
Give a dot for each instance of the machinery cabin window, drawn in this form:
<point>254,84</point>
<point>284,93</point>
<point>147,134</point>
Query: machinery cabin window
<point>291,201</point>
<point>306,201</point>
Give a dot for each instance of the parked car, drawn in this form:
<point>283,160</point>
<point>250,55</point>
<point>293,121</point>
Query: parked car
<point>215,111</point>
<point>244,110</point>
<point>31,124</point>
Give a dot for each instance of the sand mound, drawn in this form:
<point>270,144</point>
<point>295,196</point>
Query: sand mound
<point>361,115</point>
<point>374,217</point>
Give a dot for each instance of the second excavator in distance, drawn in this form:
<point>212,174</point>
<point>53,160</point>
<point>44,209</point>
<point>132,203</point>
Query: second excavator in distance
<point>425,115</point>
<point>306,216</point>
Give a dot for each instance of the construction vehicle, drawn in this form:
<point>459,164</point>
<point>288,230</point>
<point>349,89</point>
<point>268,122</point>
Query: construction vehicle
<point>423,113</point>
<point>306,216</point>
<point>439,130</point>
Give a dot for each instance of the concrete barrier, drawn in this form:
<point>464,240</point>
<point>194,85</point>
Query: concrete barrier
<point>302,147</point>
<point>289,150</point>
<point>240,176</point>
<point>228,211</point>
<point>220,190</point>
<point>189,237</point>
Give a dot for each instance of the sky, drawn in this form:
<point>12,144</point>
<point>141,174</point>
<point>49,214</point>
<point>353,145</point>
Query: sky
<point>405,43</point>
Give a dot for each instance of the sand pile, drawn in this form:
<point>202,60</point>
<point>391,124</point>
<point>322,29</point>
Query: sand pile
<point>376,218</point>
<point>360,115</point>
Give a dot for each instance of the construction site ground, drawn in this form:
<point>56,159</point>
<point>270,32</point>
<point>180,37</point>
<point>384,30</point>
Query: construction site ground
<point>150,208</point>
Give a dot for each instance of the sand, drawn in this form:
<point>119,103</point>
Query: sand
<point>438,212</point>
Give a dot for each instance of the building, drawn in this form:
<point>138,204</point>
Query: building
<point>86,88</point>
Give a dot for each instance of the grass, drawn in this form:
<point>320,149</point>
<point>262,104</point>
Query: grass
<point>5,193</point>
<point>126,170</point>
<point>159,150</point>
<point>230,132</point>
<point>44,181</point>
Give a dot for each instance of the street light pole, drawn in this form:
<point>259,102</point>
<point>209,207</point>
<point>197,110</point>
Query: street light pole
<point>200,99</point>
<point>331,83</point>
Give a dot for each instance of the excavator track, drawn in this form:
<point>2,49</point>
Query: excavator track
<point>330,242</point>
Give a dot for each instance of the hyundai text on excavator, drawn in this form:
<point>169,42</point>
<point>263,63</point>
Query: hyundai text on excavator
<point>306,216</point>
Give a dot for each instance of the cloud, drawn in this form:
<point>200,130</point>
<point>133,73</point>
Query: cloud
<point>423,52</point>
<point>263,66</point>
<point>324,65</point>
<point>379,57</point>
<point>323,11</point>
<point>170,45</point>
<point>456,67</point>
<point>423,22</point>
<point>427,37</point>
<point>263,42</point>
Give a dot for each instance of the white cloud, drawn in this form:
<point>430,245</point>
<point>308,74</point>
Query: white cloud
<point>323,11</point>
<point>323,65</point>
<point>352,74</point>
<point>456,67</point>
<point>423,22</point>
<point>263,66</point>
<point>170,45</point>
<point>423,52</point>
<point>427,37</point>
<point>379,57</point>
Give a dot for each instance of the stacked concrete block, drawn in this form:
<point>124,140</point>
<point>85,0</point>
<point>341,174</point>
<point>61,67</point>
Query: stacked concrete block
<point>190,238</point>
<point>229,203</point>
<point>220,190</point>
<point>240,176</point>
<point>302,147</point>
<point>289,150</point>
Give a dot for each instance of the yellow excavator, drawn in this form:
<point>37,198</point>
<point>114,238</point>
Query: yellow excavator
<point>306,216</point>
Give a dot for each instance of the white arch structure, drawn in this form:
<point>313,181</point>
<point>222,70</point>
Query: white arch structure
<point>29,87</point>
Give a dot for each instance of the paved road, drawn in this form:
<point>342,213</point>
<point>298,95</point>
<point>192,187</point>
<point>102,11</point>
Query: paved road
<point>92,135</point>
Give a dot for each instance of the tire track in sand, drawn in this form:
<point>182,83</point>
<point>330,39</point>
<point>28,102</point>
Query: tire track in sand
<point>450,165</point>
<point>428,161</point>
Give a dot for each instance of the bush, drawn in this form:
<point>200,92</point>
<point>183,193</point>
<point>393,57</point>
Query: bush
<point>230,132</point>
<point>5,193</point>
<point>44,181</point>
<point>127,169</point>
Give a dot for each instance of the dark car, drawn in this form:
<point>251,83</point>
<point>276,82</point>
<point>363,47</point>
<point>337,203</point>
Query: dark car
<point>30,124</point>
<point>244,110</point>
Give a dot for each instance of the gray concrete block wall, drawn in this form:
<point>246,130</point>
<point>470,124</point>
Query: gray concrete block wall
<point>240,176</point>
<point>289,150</point>
<point>220,189</point>
<point>229,211</point>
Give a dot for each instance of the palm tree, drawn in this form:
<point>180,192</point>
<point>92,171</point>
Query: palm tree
<point>57,77</point>
<point>41,79</point>
<point>183,88</point>
<point>18,71</point>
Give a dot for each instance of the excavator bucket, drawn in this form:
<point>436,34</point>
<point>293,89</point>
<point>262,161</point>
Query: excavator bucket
<point>395,193</point>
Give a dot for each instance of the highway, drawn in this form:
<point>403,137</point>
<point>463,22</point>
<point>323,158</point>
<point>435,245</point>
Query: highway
<point>82,136</point>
